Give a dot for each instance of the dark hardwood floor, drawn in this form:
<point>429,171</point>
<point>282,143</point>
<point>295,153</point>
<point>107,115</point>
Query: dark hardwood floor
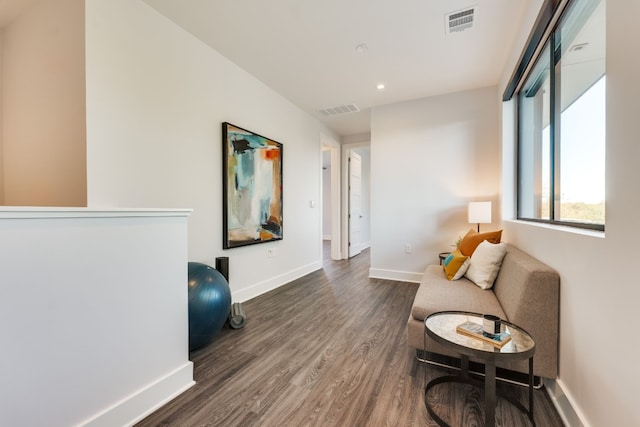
<point>328,349</point>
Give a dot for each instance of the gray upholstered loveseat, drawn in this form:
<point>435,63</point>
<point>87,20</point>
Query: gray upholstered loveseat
<point>526,292</point>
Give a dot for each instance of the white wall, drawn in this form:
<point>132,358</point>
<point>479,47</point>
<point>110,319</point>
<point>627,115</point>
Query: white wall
<point>156,98</point>
<point>429,158</point>
<point>43,106</point>
<point>599,290</point>
<point>93,315</point>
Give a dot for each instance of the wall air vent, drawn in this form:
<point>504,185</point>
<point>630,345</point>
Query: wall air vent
<point>340,109</point>
<point>456,22</point>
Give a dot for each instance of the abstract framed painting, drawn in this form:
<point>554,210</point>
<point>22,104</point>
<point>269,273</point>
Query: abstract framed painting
<point>252,188</point>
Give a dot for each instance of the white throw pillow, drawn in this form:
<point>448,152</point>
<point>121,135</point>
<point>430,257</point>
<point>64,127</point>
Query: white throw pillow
<point>463,269</point>
<point>485,263</point>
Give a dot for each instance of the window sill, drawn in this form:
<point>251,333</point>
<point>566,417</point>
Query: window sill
<point>561,228</point>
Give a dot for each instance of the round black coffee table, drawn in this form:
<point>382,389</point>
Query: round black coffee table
<point>441,327</point>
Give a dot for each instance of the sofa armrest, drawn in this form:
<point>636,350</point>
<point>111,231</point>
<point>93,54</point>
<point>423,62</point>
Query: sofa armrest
<point>529,293</point>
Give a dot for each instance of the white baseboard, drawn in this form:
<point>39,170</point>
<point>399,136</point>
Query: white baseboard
<point>275,282</point>
<point>565,404</point>
<point>362,246</point>
<point>399,276</point>
<point>138,405</point>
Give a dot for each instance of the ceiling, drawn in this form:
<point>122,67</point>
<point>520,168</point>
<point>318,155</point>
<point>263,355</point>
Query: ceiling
<point>306,50</point>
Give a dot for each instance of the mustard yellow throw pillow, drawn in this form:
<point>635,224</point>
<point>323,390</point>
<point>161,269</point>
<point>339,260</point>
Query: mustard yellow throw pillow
<point>472,239</point>
<point>455,265</point>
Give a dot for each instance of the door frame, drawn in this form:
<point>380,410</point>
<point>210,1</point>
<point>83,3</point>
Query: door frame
<point>346,151</point>
<point>355,242</point>
<point>328,144</point>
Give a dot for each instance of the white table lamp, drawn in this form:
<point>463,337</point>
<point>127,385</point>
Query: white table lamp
<point>480,213</point>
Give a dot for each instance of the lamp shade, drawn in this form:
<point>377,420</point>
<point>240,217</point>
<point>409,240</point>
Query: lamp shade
<point>480,212</point>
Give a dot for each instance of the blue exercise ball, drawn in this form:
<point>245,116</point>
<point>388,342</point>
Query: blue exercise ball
<point>209,303</point>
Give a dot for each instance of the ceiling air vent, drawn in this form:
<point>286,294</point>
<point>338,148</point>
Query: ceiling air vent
<point>340,109</point>
<point>459,21</point>
<point>577,47</point>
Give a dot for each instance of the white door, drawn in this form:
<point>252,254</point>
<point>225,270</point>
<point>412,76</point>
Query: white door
<point>355,202</point>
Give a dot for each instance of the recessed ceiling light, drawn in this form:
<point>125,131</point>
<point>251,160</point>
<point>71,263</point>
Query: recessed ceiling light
<point>380,86</point>
<point>362,48</point>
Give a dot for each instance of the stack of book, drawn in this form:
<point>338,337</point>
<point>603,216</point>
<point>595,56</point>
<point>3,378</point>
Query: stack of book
<point>474,330</point>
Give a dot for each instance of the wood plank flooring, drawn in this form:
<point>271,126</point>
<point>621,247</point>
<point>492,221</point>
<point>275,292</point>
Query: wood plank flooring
<point>328,349</point>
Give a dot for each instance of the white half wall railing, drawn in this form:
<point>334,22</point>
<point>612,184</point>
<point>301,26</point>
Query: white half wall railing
<point>93,314</point>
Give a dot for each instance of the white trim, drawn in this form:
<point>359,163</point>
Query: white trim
<point>344,216</point>
<point>362,246</point>
<point>275,282</point>
<point>557,227</point>
<point>344,200</point>
<point>143,402</point>
<point>334,148</point>
<point>564,404</point>
<point>10,212</point>
<point>399,276</point>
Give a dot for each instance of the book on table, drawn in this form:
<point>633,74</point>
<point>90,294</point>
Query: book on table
<point>474,330</point>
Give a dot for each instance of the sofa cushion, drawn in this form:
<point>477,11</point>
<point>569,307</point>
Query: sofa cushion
<point>485,263</point>
<point>455,265</point>
<point>436,293</point>
<point>472,239</point>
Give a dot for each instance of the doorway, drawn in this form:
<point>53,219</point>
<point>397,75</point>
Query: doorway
<point>359,194</point>
<point>355,204</point>
<point>336,199</point>
<point>331,230</point>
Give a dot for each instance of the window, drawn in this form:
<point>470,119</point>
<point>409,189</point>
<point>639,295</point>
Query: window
<point>561,123</point>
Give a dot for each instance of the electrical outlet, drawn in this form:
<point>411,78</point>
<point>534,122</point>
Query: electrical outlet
<point>407,248</point>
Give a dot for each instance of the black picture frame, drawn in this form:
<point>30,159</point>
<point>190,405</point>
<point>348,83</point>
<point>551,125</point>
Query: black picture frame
<point>252,188</point>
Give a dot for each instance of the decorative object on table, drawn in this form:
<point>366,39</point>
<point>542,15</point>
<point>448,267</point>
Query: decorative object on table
<point>209,303</point>
<point>476,330</point>
<point>491,325</point>
<point>252,188</point>
<point>479,213</point>
<point>472,239</point>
